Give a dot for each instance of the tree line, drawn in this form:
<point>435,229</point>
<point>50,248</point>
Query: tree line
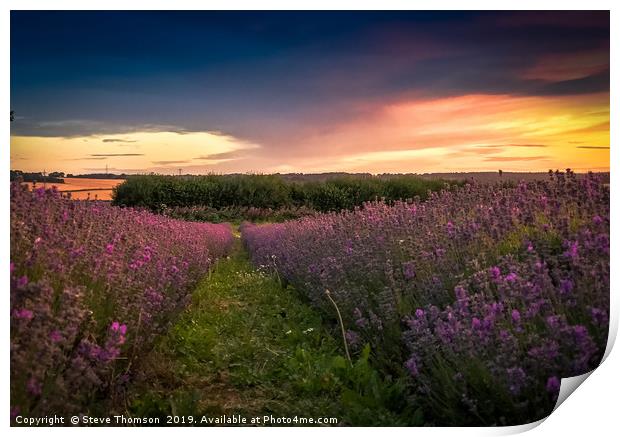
<point>159,192</point>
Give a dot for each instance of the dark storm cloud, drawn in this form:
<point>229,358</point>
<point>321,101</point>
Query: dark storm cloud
<point>594,83</point>
<point>70,128</point>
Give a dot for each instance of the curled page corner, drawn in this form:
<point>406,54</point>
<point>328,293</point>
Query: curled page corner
<point>519,429</point>
<point>568,386</point>
<point>612,334</point>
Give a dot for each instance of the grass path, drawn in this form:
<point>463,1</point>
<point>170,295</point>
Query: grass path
<point>248,346</point>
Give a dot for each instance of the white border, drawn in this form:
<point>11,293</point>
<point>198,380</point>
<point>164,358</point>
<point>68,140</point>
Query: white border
<point>591,411</point>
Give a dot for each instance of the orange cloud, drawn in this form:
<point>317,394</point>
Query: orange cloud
<point>158,151</point>
<point>456,132</point>
<point>464,133</point>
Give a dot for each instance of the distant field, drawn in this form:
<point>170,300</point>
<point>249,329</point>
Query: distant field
<point>89,188</point>
<point>494,176</point>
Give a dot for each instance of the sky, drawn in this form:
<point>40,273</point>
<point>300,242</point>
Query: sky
<point>223,92</point>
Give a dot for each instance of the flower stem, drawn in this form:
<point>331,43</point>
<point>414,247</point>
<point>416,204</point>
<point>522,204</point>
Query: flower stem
<point>344,337</point>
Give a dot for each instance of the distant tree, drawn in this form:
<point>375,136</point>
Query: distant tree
<point>500,173</point>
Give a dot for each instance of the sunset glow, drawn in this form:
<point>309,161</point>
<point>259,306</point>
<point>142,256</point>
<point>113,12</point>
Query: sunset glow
<point>132,152</point>
<point>387,104</point>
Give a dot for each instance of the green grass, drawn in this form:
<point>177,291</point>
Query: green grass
<point>248,346</point>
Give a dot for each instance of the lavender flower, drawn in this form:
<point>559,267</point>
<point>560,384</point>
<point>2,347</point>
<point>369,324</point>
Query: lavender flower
<point>553,384</point>
<point>501,276</point>
<point>56,262</point>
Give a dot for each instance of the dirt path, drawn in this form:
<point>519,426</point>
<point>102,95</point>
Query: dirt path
<point>247,346</point>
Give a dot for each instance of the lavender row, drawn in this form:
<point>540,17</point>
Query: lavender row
<point>92,286</point>
<point>482,298</point>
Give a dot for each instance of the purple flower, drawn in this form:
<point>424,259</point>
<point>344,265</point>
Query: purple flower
<point>553,384</point>
<point>516,379</point>
<point>34,387</point>
<point>362,322</point>
<point>566,286</point>
<point>581,333</point>
<point>39,192</point>
<point>599,317</point>
<point>495,308</point>
<point>504,335</point>
<point>412,366</point>
<point>450,229</point>
<point>24,314</point>
<point>119,330</point>
<point>409,270</point>
<point>22,281</point>
<point>460,292</point>
<point>515,316</point>
<point>352,338</point>
<point>573,249</point>
<point>553,322</point>
<point>108,354</point>
<point>63,263</point>
<point>56,336</point>
<point>495,273</point>
<point>510,277</point>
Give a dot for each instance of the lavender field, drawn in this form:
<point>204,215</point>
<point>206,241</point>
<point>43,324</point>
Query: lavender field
<point>479,299</point>
<point>466,308</point>
<point>309,217</point>
<point>92,287</point>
